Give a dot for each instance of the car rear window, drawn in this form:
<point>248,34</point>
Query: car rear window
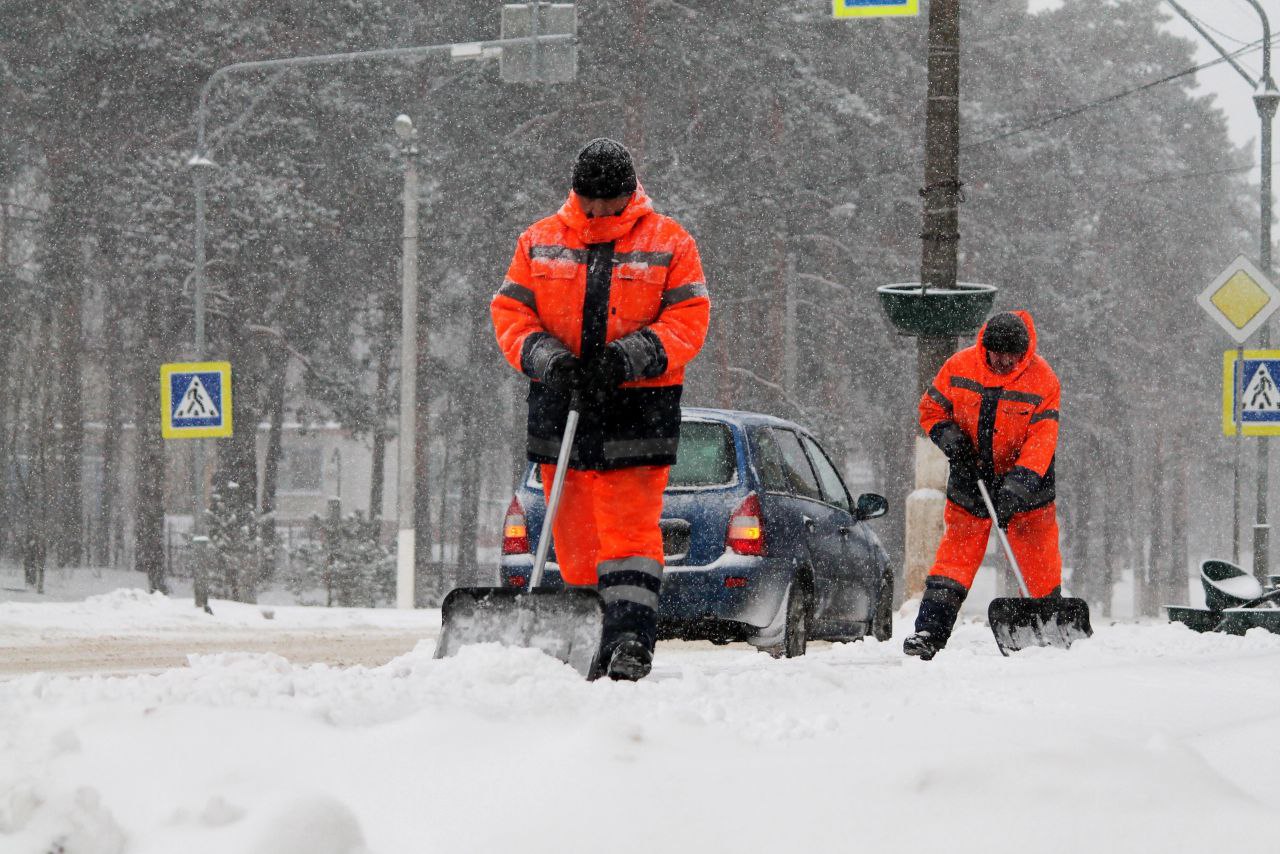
<point>706,457</point>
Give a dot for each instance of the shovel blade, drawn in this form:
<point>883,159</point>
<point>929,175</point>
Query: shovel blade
<point>1052,621</point>
<point>565,624</point>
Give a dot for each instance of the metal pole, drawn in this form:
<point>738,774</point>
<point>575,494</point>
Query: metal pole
<point>408,375</point>
<point>1265,100</point>
<point>200,590</point>
<point>1238,407</point>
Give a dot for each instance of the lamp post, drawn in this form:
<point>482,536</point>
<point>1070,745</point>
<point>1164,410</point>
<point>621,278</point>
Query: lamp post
<point>200,165</point>
<point>407,137</point>
<point>556,55</point>
<point>1265,99</point>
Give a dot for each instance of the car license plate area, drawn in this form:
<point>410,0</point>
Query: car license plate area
<point>675,539</point>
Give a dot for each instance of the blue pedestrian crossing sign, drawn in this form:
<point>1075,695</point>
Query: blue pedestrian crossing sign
<point>875,8</point>
<point>195,400</point>
<point>1260,400</point>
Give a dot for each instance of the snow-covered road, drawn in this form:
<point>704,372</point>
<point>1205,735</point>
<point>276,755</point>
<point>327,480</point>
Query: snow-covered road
<point>1145,738</point>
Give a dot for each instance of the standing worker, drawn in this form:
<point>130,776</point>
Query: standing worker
<point>993,410</point>
<point>606,298</point>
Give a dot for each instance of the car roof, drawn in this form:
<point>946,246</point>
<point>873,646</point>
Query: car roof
<point>738,417</point>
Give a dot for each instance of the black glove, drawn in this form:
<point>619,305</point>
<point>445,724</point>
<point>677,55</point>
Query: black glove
<point>606,371</point>
<point>1007,504</point>
<point>964,463</point>
<point>952,441</point>
<point>563,374</point>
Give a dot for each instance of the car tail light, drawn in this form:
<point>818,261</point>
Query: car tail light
<point>746,528</point>
<point>734,581</point>
<point>517,581</point>
<point>515,533</point>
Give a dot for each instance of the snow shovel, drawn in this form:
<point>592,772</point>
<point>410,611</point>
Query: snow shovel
<point>566,624</point>
<point>1017,624</point>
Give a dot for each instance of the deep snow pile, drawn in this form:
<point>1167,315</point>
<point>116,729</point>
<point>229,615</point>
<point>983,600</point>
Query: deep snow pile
<point>1146,737</point>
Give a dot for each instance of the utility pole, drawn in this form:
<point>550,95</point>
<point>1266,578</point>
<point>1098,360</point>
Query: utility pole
<point>941,192</point>
<point>937,309</point>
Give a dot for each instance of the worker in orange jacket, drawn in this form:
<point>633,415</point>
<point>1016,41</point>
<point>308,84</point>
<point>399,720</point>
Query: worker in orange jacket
<point>993,410</point>
<point>607,298</point>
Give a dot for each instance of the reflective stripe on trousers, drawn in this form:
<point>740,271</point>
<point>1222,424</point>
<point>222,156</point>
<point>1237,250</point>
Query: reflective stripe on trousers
<point>607,533</point>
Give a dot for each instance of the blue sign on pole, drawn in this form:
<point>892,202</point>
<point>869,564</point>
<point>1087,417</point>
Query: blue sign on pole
<point>875,8</point>
<point>1260,393</point>
<point>195,400</point>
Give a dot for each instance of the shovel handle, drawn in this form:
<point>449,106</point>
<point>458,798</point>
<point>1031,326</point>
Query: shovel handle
<point>1004,541</point>
<point>557,487</point>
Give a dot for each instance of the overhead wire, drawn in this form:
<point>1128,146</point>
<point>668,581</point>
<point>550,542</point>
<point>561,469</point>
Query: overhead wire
<point>899,166</point>
<point>1211,28</point>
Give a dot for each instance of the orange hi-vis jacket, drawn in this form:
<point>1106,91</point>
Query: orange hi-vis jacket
<point>1010,419</point>
<point>581,283</point>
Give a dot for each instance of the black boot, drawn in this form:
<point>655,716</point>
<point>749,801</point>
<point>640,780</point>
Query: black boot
<point>630,588</point>
<point>631,660</point>
<point>938,611</point>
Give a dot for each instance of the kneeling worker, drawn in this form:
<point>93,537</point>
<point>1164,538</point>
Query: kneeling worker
<point>993,410</point>
<point>607,298</point>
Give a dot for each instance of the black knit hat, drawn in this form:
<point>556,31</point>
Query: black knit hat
<point>604,170</point>
<point>1006,333</point>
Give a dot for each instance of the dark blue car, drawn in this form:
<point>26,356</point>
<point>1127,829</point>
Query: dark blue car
<point>762,540</point>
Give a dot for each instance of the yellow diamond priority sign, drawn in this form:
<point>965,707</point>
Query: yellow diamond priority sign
<point>1240,299</point>
<point>875,8</point>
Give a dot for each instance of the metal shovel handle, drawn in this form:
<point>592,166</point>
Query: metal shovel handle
<point>557,488</point>
<point>1004,541</point>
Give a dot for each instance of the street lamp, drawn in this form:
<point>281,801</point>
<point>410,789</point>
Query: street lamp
<point>557,49</point>
<point>407,136</point>
<point>200,165</point>
<point>1265,99</point>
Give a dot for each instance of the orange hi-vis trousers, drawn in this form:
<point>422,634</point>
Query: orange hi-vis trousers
<point>607,517</point>
<point>1033,536</point>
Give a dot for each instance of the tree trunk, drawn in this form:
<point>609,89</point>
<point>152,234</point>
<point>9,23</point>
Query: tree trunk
<point>271,465</point>
<point>1176,589</point>
<point>423,534</point>
<point>1159,565</point>
<point>64,244</point>
<point>446,472</point>
<point>475,411</point>
<point>116,394</point>
<point>148,525</point>
<point>636,101</point>
<point>382,382</point>
<point>236,478</point>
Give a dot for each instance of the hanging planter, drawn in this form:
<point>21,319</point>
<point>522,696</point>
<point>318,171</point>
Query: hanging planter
<point>937,312</point>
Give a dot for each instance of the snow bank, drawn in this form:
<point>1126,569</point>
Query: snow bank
<point>1145,735</point>
<point>138,612</point>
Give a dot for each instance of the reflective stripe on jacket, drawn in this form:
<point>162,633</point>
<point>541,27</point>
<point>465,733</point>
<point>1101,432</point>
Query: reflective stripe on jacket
<point>581,283</point>
<point>1011,420</point>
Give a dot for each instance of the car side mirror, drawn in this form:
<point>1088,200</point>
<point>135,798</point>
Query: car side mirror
<point>870,505</point>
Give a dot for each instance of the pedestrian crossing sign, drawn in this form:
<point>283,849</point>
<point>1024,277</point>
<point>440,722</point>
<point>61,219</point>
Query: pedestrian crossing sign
<point>1260,401</point>
<point>195,400</point>
<point>875,8</point>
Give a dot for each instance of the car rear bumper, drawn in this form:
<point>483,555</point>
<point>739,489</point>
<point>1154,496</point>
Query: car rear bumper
<point>733,589</point>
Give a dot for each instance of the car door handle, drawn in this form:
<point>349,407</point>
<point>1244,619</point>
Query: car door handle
<point>845,530</point>
<point>809,524</point>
